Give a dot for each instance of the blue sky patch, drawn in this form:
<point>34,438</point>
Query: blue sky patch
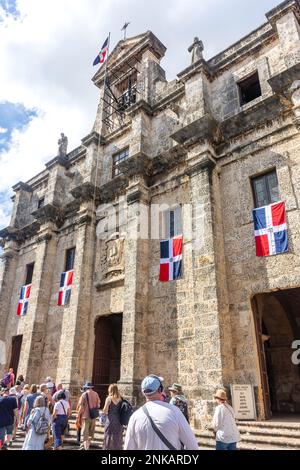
<point>10,8</point>
<point>13,116</point>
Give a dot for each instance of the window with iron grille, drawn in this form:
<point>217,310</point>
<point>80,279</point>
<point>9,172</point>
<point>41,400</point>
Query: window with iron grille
<point>265,189</point>
<point>117,159</point>
<point>70,258</point>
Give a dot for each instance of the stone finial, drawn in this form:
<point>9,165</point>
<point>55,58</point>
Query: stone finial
<point>196,49</point>
<point>62,145</point>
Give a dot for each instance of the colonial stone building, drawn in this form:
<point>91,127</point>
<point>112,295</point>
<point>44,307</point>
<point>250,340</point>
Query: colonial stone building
<point>191,156</point>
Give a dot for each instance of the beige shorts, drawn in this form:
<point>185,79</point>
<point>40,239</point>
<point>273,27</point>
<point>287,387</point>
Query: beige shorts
<point>88,428</point>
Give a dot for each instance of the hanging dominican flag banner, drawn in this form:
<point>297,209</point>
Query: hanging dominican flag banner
<point>101,57</point>
<point>171,259</point>
<point>271,237</point>
<point>66,280</point>
<point>23,300</point>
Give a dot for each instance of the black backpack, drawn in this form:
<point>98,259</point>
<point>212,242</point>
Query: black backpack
<point>125,411</point>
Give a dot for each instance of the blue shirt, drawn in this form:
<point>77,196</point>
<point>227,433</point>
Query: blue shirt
<point>30,400</point>
<point>7,407</point>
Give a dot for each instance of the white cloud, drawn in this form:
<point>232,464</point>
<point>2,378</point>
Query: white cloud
<point>46,61</point>
<point>2,130</point>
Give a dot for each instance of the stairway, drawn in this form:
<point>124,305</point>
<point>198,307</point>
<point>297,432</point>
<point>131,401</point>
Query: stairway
<point>259,435</point>
<point>256,435</point>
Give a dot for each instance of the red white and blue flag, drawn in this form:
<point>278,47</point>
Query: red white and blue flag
<point>271,237</point>
<point>66,280</point>
<point>101,57</point>
<point>171,259</point>
<point>23,300</point>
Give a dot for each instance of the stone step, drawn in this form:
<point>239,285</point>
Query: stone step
<point>269,425</point>
<point>289,433</point>
<point>255,440</point>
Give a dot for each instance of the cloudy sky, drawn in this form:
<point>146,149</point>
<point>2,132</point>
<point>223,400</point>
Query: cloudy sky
<point>47,48</point>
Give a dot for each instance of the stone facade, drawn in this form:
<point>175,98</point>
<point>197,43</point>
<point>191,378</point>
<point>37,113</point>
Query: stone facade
<point>192,144</point>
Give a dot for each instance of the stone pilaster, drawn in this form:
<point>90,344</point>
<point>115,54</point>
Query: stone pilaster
<point>134,335</point>
<point>36,319</point>
<point>212,333</point>
<point>73,349</point>
<point>7,275</point>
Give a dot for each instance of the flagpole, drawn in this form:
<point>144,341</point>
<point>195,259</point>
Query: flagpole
<point>100,133</point>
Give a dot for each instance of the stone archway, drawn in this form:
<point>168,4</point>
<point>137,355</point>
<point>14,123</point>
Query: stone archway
<point>277,316</point>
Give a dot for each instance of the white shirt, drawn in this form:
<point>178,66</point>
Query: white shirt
<point>61,407</point>
<point>169,420</point>
<point>224,424</point>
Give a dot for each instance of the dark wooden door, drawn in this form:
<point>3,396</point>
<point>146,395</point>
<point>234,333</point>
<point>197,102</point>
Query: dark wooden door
<point>262,360</point>
<point>15,353</point>
<point>102,355</point>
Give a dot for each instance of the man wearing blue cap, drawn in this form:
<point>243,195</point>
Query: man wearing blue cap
<point>158,425</point>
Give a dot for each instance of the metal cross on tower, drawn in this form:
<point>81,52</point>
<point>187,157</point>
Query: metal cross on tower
<point>126,24</point>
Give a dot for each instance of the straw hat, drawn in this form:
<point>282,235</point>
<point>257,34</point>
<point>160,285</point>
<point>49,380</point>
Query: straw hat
<point>221,394</point>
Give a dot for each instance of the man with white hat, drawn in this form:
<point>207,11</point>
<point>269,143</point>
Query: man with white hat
<point>224,425</point>
<point>158,425</point>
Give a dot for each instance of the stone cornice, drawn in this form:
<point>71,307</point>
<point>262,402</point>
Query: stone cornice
<point>201,66</point>
<point>113,188</point>
<point>139,163</point>
<point>22,187</point>
<point>20,235</point>
<point>140,106</point>
<point>51,213</point>
<point>282,81</point>
<point>203,128</point>
<point>168,160</point>
<point>204,163</point>
<point>254,115</point>
<point>93,138</point>
<point>110,284</point>
<point>282,9</point>
<point>62,161</point>
<point>86,192</point>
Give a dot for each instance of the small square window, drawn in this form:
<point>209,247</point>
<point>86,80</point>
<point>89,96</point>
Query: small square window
<point>29,273</point>
<point>249,89</point>
<point>265,189</point>
<point>117,159</point>
<point>70,258</point>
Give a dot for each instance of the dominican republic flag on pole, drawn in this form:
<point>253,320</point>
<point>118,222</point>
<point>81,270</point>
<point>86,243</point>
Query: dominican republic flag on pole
<point>64,294</point>
<point>23,300</point>
<point>171,259</point>
<point>101,57</point>
<point>271,237</point>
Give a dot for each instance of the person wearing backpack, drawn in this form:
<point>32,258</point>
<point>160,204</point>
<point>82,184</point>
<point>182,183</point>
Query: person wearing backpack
<point>158,425</point>
<point>37,425</point>
<point>88,406</point>
<point>8,379</point>
<point>113,431</point>
<point>178,399</point>
<point>61,413</point>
